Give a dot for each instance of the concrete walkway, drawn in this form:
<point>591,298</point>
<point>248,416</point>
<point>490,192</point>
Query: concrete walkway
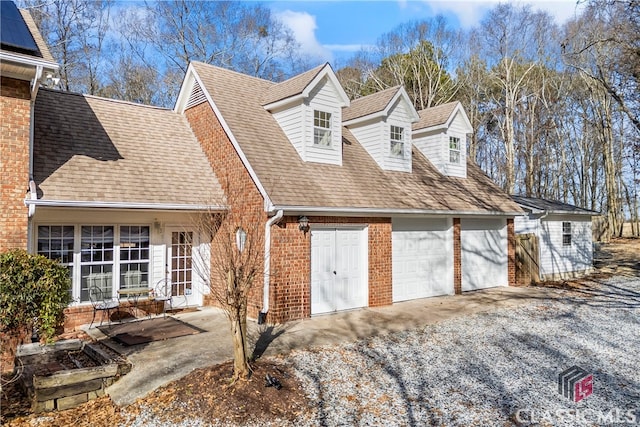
<point>158,363</point>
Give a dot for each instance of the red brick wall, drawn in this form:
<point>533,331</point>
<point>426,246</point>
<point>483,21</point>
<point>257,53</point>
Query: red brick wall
<point>290,287</point>
<point>290,281</point>
<point>457,257</point>
<point>243,197</point>
<point>14,162</point>
<point>511,252</point>
<point>380,276</point>
<point>77,316</point>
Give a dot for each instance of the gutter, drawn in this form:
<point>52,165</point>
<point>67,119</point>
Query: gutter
<point>267,264</point>
<point>23,60</point>
<point>386,211</point>
<point>32,202</point>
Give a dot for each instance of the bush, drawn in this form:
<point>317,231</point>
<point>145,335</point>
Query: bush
<point>34,291</point>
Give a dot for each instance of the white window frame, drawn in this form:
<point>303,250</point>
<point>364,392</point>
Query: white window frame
<point>454,151</point>
<point>567,239</point>
<point>75,267</point>
<point>396,138</point>
<point>322,133</point>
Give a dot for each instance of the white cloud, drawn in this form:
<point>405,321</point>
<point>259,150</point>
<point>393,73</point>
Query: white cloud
<point>303,26</point>
<point>471,12</point>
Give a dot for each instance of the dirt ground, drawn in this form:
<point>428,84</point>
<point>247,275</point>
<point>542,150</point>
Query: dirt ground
<point>208,391</point>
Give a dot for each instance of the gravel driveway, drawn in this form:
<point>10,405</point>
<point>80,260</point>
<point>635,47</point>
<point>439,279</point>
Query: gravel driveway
<point>495,368</point>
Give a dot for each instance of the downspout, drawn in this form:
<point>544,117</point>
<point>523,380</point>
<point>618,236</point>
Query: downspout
<point>267,264</point>
<point>35,85</point>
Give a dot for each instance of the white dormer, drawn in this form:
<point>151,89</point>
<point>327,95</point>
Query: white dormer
<point>381,122</point>
<point>308,108</point>
<point>441,135</point>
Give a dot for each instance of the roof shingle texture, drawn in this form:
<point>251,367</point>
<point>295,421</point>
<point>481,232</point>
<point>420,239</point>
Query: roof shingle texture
<point>100,150</point>
<point>288,88</point>
<point>435,116</point>
<point>369,104</point>
<point>552,206</point>
<point>358,183</point>
<point>37,37</point>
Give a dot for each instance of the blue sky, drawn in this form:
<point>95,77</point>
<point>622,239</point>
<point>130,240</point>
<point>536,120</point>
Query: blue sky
<point>333,30</point>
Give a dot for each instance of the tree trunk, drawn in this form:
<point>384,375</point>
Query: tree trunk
<point>238,319</point>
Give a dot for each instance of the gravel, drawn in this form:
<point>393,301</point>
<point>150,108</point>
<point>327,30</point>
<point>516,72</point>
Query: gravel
<point>495,368</point>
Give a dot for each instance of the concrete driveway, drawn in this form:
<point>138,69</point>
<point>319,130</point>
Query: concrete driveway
<point>158,363</point>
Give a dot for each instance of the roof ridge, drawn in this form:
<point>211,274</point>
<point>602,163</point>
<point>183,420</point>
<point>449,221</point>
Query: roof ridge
<point>237,72</point>
<point>102,98</point>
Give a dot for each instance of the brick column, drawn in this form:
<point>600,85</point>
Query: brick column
<point>457,257</point>
<point>14,162</point>
<point>511,252</point>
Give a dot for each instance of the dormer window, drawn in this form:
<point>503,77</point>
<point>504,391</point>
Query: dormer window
<point>454,150</point>
<point>321,128</point>
<point>397,141</point>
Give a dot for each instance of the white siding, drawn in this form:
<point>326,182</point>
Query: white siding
<point>557,259</point>
<point>526,225</point>
<point>157,238</point>
<point>456,129</point>
<point>430,144</point>
<point>375,136</point>
<point>398,116</point>
<point>291,122</point>
<point>369,135</point>
<point>435,146</point>
<point>324,97</point>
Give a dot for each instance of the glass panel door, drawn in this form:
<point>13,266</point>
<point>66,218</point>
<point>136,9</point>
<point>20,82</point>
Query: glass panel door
<point>180,267</point>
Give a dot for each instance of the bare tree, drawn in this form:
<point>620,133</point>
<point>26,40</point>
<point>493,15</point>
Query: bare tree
<point>236,264</point>
<point>76,32</point>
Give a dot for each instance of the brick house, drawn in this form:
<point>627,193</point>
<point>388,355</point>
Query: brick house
<point>366,202</point>
<point>360,203</point>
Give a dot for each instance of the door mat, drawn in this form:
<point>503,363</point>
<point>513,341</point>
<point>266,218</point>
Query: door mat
<point>145,331</point>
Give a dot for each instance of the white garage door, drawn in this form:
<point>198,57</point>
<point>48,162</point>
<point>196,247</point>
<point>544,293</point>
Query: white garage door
<point>484,253</point>
<point>422,258</point>
<point>338,270</point>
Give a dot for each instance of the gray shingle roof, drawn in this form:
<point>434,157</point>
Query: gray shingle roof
<point>369,104</point>
<point>435,116</point>
<point>358,183</point>
<point>99,150</point>
<point>551,206</point>
<point>293,86</point>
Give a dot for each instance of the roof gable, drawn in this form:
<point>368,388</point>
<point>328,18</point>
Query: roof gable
<point>440,117</point>
<point>300,87</point>
<point>378,104</point>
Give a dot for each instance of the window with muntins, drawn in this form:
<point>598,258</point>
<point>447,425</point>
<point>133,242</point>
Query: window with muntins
<point>566,233</point>
<point>56,242</point>
<point>134,256</point>
<point>104,256</point>
<point>397,141</point>
<point>96,259</point>
<point>454,150</point>
<point>321,128</point>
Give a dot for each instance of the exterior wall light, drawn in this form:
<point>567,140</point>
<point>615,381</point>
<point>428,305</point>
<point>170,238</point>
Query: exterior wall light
<point>241,239</point>
<point>303,224</point>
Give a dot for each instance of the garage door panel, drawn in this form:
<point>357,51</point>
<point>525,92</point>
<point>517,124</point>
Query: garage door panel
<point>422,258</point>
<point>337,269</point>
<point>484,253</point>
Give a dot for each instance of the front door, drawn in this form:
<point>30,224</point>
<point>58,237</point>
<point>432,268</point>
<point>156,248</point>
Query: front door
<point>338,268</point>
<point>180,268</point>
